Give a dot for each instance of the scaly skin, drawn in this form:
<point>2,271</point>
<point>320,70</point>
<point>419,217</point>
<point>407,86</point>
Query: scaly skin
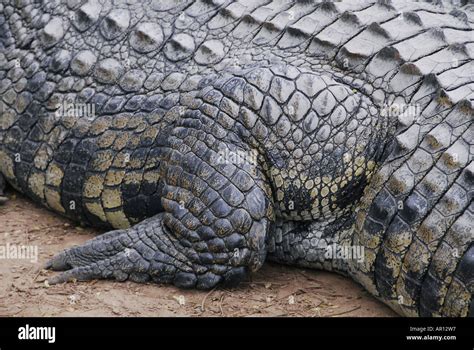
<point>222,133</point>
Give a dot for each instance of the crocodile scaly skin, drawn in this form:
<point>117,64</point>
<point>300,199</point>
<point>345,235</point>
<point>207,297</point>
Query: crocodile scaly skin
<point>212,135</point>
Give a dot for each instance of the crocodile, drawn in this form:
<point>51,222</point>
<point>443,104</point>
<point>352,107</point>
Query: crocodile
<point>210,136</point>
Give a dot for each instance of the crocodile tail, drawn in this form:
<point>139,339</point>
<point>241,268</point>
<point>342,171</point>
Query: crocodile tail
<point>416,218</point>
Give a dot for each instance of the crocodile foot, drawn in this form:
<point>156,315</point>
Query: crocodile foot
<point>142,253</point>
<point>147,252</point>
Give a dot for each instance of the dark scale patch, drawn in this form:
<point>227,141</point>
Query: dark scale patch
<point>72,203</point>
<point>147,142</point>
<point>383,208</point>
<point>71,191</point>
<point>33,110</point>
<point>398,226</point>
<point>83,152</point>
<point>326,166</point>
<point>275,159</point>
<point>26,121</point>
<point>413,284</point>
<point>135,208</point>
<point>384,275</point>
<point>134,103</point>
<point>185,280</point>
<point>28,151</point>
<point>36,81</point>
<point>36,134</point>
<point>465,270</point>
<point>384,279</point>
<point>99,100</point>
<point>191,163</point>
<point>45,62</point>
<point>469,177</point>
<point>65,151</point>
<point>130,190</point>
<point>151,103</point>
<point>73,179</point>
<point>60,61</point>
<point>234,276</point>
<point>22,170</point>
<point>243,132</point>
<point>169,101</point>
<point>25,42</point>
<point>208,280</point>
<point>297,198</point>
<point>45,92</point>
<point>339,225</point>
<point>160,142</point>
<point>378,149</point>
<point>32,69</point>
<point>430,296</point>
<point>414,208</point>
<point>113,105</point>
<point>138,158</point>
<point>373,227</point>
<point>389,150</point>
<point>153,205</point>
<point>351,193</point>
<point>148,188</point>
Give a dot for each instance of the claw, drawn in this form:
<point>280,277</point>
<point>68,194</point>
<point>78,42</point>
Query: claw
<point>76,274</point>
<point>75,267</point>
<point>58,263</point>
<point>89,262</point>
<point>118,254</point>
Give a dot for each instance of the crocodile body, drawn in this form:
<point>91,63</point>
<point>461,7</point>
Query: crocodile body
<point>213,135</point>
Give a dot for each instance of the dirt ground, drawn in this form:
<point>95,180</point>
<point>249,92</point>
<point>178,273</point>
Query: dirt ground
<point>273,291</point>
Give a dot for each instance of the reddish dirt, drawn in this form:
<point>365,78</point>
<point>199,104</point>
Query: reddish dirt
<point>273,291</point>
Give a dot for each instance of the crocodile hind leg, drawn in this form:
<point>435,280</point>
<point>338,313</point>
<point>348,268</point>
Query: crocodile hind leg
<point>214,228</point>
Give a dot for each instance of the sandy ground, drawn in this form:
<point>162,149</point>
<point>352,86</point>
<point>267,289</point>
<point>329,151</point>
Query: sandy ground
<point>274,291</point>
